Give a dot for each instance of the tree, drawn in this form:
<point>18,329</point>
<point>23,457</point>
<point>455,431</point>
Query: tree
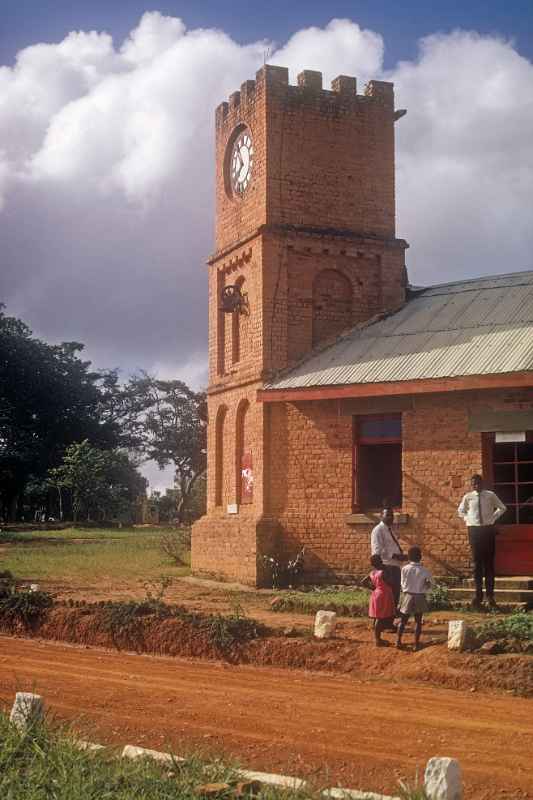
<point>49,399</point>
<point>174,424</point>
<point>102,483</point>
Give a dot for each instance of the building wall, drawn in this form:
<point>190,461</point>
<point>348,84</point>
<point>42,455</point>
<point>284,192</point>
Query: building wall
<point>310,481</point>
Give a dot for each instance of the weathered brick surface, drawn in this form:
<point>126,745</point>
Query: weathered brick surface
<point>312,246</point>
<point>310,488</point>
<point>321,158</point>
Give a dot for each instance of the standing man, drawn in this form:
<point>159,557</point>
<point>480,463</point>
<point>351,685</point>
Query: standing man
<point>384,543</point>
<point>480,509</point>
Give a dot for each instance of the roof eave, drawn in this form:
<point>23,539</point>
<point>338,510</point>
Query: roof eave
<point>504,380</point>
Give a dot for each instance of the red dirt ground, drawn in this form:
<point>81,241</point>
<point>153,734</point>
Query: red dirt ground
<point>335,729</point>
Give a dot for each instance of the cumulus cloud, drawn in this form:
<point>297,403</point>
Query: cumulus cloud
<point>465,161</point>
<point>106,173</point>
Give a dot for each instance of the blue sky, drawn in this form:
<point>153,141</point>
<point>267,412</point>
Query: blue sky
<point>400,23</point>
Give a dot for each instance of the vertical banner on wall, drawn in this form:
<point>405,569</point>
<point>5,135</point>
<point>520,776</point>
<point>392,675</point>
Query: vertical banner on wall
<point>247,478</point>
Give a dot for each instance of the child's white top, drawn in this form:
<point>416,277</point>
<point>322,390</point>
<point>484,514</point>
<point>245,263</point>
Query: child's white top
<point>416,579</point>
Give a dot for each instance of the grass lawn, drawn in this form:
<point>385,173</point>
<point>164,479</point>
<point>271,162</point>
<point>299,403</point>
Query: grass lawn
<point>44,764</point>
<point>83,555</point>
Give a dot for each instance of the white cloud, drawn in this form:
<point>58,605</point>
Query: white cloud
<point>342,47</point>
<point>106,173</point>
<point>465,162</point>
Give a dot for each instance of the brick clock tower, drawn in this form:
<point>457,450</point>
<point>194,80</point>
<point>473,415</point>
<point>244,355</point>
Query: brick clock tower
<point>305,248</point>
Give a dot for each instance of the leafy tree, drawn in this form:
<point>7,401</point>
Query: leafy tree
<point>102,483</point>
<point>174,431</point>
<point>49,399</point>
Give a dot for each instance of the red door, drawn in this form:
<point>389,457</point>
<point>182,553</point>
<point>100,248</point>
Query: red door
<point>514,550</point>
<point>509,468</point>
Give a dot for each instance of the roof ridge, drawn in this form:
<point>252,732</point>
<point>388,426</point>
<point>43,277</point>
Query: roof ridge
<point>422,289</point>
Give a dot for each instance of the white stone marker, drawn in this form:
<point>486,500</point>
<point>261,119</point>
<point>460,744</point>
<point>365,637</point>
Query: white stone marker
<point>456,634</point>
<point>325,622</point>
<point>27,709</point>
<point>442,779</point>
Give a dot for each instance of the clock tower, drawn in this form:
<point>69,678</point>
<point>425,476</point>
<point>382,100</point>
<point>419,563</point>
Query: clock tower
<point>305,248</point>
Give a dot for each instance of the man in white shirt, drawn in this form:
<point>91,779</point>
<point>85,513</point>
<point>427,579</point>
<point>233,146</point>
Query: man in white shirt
<point>384,543</point>
<point>480,509</point>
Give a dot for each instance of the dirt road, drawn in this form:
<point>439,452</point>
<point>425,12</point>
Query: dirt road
<point>363,734</point>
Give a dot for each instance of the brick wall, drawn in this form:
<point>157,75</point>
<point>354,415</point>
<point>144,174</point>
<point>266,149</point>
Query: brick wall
<point>311,244</point>
<point>310,491</point>
<point>322,158</point>
<point>372,271</point>
<point>331,155</point>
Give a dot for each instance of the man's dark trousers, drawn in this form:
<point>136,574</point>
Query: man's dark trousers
<point>482,544</point>
<point>395,577</point>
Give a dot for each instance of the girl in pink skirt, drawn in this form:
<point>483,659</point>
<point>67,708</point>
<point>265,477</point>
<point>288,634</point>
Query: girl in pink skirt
<point>381,607</point>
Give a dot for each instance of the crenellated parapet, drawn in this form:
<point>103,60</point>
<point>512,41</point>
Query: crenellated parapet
<point>309,87</point>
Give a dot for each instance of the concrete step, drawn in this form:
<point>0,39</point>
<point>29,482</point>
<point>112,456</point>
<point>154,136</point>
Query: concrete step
<point>523,582</point>
<point>500,595</point>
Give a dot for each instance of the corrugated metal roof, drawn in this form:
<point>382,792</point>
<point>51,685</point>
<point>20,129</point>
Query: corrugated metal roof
<point>475,327</point>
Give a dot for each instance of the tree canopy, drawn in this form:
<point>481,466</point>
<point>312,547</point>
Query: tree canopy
<point>67,426</point>
<point>49,399</point>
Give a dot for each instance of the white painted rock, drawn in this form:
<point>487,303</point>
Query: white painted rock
<point>325,622</point>
<point>132,751</point>
<point>27,709</point>
<point>442,779</point>
<point>456,634</point>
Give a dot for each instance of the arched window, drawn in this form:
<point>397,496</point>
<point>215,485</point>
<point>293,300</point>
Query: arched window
<point>219,455</point>
<point>243,455</point>
<point>237,325</point>
<point>332,304</point>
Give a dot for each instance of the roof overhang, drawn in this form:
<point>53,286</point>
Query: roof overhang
<point>504,380</point>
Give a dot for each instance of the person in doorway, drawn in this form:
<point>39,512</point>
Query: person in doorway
<point>381,607</point>
<point>416,581</point>
<point>384,543</point>
<point>480,509</point>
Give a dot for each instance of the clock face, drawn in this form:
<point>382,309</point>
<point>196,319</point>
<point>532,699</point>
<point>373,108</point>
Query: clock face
<point>242,159</point>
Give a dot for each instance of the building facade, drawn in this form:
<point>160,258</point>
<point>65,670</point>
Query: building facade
<point>314,422</point>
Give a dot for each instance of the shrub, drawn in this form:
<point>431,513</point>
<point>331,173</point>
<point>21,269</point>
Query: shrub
<point>119,617</point>
<point>439,597</point>
<point>175,544</point>
<point>284,574</point>
<point>225,632</point>
<point>24,607</point>
<point>7,583</point>
<point>516,626</point>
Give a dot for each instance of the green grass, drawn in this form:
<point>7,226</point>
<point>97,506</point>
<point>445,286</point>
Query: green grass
<point>344,601</point>
<point>100,555</point>
<point>44,764</point>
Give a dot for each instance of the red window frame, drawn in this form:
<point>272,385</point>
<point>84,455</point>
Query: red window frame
<point>488,462</point>
<point>358,441</point>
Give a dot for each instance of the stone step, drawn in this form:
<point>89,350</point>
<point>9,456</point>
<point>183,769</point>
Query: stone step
<point>507,608</point>
<point>500,595</point>
<point>523,582</point>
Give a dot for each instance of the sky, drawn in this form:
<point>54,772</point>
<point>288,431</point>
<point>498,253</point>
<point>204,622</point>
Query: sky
<point>106,151</point>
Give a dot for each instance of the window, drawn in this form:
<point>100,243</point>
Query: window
<point>511,472</point>
<point>377,462</point>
